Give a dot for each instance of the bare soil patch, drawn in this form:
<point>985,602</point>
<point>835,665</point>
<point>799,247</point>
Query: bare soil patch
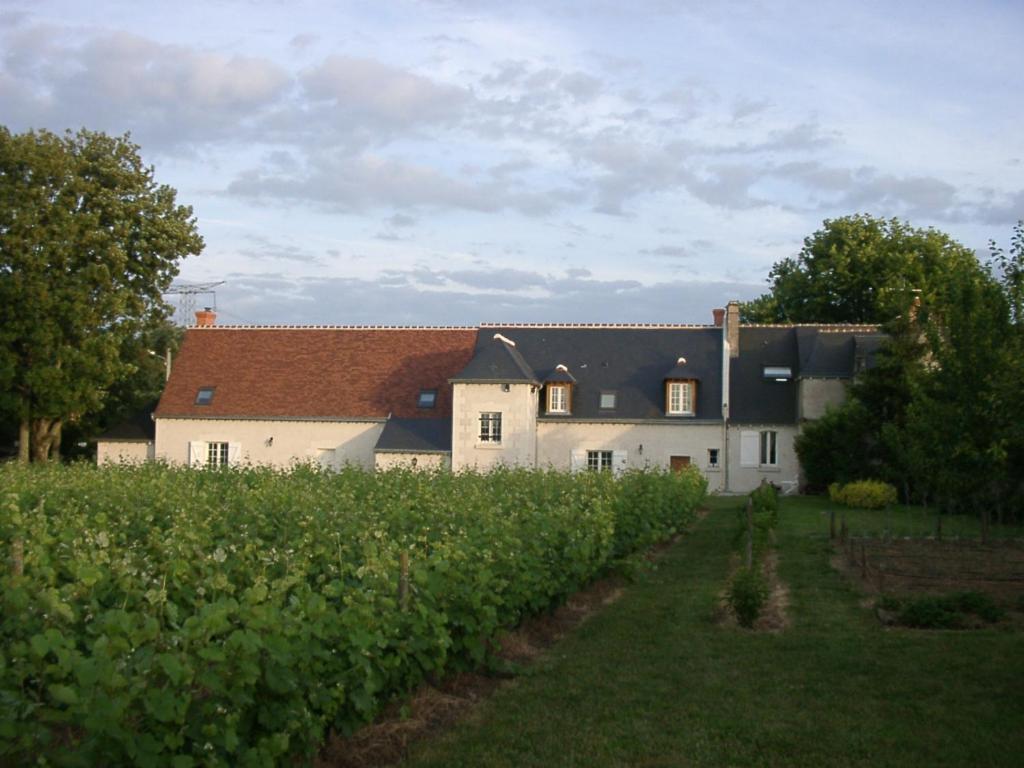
<point>931,567</point>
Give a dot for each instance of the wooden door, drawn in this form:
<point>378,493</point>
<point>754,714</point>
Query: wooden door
<point>678,462</point>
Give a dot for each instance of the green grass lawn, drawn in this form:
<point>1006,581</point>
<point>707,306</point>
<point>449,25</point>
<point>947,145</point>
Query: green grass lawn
<point>653,681</point>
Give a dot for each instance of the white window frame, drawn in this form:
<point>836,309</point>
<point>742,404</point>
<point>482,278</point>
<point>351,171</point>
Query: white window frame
<point>600,461</point>
<point>490,427</point>
<point>714,458</point>
<point>558,398</point>
<point>680,398</point>
<point>218,454</point>
<point>768,448</point>
<point>201,451</point>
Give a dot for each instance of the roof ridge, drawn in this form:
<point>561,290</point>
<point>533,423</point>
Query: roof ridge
<point>333,327</point>
<point>818,326</point>
<point>597,325</point>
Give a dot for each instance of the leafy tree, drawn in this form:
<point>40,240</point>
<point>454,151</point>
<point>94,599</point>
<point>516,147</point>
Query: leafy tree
<point>88,243</point>
<point>859,269</point>
<point>134,392</point>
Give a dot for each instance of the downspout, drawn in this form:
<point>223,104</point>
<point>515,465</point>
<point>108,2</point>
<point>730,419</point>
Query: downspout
<point>725,413</point>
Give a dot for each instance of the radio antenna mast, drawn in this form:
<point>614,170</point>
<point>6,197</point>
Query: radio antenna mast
<point>187,292</point>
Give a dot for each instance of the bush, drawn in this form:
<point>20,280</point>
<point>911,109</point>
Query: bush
<point>170,617</point>
<point>942,612</point>
<point>766,506</point>
<point>863,494</point>
<point>747,596</point>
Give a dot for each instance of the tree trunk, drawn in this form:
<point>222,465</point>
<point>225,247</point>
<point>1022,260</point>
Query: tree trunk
<point>57,431</point>
<point>44,433</point>
<point>24,441</point>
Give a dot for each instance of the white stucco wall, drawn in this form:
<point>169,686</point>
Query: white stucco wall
<point>557,440</point>
<point>385,460</point>
<point>816,395</point>
<point>332,443</point>
<point>518,408</point>
<point>785,472</point>
<point>124,451</point>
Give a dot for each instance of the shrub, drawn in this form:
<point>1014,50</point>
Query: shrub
<point>766,506</point>
<point>863,494</point>
<point>168,617</point>
<point>942,612</point>
<point>747,596</point>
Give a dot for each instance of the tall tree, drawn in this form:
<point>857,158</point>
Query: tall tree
<point>859,269</point>
<point>88,243</point>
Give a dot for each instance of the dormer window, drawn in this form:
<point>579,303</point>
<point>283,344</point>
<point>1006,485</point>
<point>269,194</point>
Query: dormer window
<point>558,398</point>
<point>204,396</point>
<point>680,398</point>
<point>427,398</point>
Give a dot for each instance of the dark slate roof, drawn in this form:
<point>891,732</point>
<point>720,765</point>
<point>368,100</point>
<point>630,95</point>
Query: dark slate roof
<point>866,348</point>
<point>558,376</point>
<point>832,351</point>
<point>631,361</point>
<point>139,427</point>
<point>498,361</point>
<point>753,399</point>
<point>415,436</point>
<point>681,371</point>
<point>827,351</point>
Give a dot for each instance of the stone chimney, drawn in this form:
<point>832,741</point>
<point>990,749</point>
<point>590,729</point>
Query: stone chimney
<point>205,318</point>
<point>719,315</point>
<point>732,328</point>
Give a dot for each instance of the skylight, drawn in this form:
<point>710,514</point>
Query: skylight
<point>607,400</point>
<point>204,396</point>
<point>778,372</point>
<point>427,398</point>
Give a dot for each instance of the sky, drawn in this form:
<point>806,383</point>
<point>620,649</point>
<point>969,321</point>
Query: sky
<point>464,161</point>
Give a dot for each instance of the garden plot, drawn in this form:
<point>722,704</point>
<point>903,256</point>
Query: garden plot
<point>928,566</point>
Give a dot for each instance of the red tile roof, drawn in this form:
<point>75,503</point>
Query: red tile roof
<point>315,372</point>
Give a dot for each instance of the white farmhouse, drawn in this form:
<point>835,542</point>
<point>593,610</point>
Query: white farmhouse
<point>726,398</point>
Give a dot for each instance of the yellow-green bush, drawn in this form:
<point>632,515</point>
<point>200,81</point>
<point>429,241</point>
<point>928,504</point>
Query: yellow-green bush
<point>863,494</point>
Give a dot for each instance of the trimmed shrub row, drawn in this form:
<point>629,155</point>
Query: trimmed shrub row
<point>172,617</point>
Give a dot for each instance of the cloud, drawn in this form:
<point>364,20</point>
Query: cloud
<point>381,96</point>
<point>265,249</point>
<point>116,81</point>
<point>421,297</point>
<point>340,182</point>
<point>672,251</point>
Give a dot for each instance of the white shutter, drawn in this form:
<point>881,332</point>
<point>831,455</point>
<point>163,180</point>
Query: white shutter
<point>197,453</point>
<point>234,454</point>
<point>619,461</point>
<point>750,446</point>
<point>577,460</point>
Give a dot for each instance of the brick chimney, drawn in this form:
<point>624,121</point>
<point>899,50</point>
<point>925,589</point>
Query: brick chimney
<point>719,314</point>
<point>205,318</point>
<point>732,328</point>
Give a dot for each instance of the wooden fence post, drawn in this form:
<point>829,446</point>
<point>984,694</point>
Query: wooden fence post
<point>750,533</point>
<point>17,557</point>
<point>403,582</point>
<point>844,532</point>
<point>832,523</point>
